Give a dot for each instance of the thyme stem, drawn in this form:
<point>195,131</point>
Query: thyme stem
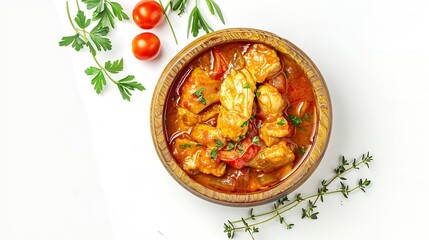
<point>282,208</point>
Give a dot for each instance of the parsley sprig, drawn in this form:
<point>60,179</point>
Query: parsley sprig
<point>250,224</point>
<point>104,14</point>
<point>199,94</point>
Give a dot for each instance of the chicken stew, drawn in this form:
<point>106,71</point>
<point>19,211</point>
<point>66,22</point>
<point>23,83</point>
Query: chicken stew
<point>240,117</point>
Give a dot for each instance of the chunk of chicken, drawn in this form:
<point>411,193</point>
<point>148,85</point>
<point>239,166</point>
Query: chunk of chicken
<point>271,105</point>
<point>270,132</point>
<point>231,124</point>
<point>262,61</point>
<point>199,91</point>
<point>236,96</point>
<point>195,158</point>
<point>207,135</point>
<point>270,101</point>
<point>186,119</point>
<point>237,92</point>
<point>271,158</point>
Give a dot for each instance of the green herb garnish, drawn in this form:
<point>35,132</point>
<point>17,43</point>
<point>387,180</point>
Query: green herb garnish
<point>283,205</point>
<point>245,123</point>
<point>255,140</point>
<point>202,100</point>
<point>196,21</point>
<point>307,117</point>
<point>104,14</point>
<point>246,86</point>
<point>240,138</point>
<point>231,146</point>
<point>295,120</point>
<point>213,153</point>
<point>185,145</point>
<point>281,122</point>
<point>199,94</point>
<point>301,150</point>
<point>218,143</point>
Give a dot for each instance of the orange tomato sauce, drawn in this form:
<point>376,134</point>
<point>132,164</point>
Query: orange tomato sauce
<point>298,94</point>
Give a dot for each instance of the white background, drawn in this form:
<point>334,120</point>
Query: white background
<point>76,165</point>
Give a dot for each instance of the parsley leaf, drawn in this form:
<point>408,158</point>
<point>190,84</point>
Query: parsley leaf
<point>81,20</point>
<point>301,150</point>
<point>97,36</point>
<point>202,100</point>
<point>241,138</point>
<point>114,67</point>
<point>90,4</point>
<point>307,117</point>
<point>295,120</point>
<point>186,145</point>
<point>255,140</point>
<point>199,94</point>
<point>118,11</point>
<point>65,41</point>
<point>127,84</point>
<point>246,86</point>
<point>92,71</point>
<point>105,12</point>
<point>213,153</point>
<point>76,41</point>
<point>105,17</point>
<point>244,124</point>
<point>231,146</point>
<point>281,122</point>
<point>99,81</point>
<point>218,143</point>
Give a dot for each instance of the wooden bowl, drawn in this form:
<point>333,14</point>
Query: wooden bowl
<point>299,174</point>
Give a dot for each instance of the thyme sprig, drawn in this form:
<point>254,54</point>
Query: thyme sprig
<point>251,223</point>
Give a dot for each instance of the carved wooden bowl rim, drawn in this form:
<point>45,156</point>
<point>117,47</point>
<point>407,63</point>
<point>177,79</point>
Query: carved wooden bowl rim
<point>300,173</point>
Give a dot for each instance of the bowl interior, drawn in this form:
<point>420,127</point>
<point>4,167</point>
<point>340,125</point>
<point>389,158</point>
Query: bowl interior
<point>300,172</point>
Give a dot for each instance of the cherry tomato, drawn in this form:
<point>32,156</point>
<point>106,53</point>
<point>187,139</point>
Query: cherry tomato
<point>146,46</point>
<point>148,14</point>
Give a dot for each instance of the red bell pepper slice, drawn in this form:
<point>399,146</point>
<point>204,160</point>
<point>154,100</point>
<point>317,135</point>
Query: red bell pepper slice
<point>236,158</point>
